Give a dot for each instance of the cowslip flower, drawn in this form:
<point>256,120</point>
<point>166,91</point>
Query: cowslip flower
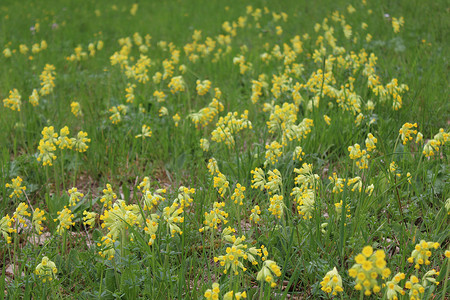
<point>232,260</point>
<point>16,186</point>
<point>64,141</point>
<point>80,141</point>
<point>13,102</point>
<point>38,217</point>
<point>89,218</point>
<point>6,228</point>
<point>204,144</point>
<point>151,228</point>
<point>407,131</point>
<point>255,214</point>
<point>65,217</point>
<point>74,196</point>
<point>108,196</point>
<point>238,195</point>
<point>393,287</point>
<point>332,282</point>
<point>273,152</point>
<point>146,132</point>
<point>274,181</point>
<point>276,206</point>
<point>76,109</point>
<point>152,200</point>
<point>212,166</point>
<point>46,270</point>
<point>215,217</point>
<point>370,142</point>
<point>422,253</point>
<point>298,154</point>
<point>46,154</point>
<point>267,272</point>
<point>176,118</point>
<point>221,182</point>
<point>367,270</point>
<point>231,295</point>
<point>327,119</point>
<point>171,214</point>
<point>213,294</point>
<point>34,98</point>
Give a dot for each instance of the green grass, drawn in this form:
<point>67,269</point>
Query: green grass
<point>394,218</point>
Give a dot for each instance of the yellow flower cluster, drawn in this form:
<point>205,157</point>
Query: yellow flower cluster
<point>65,217</point>
<point>13,102</point>
<point>268,271</point>
<point>273,152</point>
<point>221,182</point>
<point>215,217</point>
<point>332,282</point>
<point>206,115</point>
<point>47,78</point>
<point>203,87</point>
<point>171,215</point>
<point>16,186</point>
<point>422,253</point>
<point>229,126</point>
<point>38,217</point>
<point>433,145</point>
<point>46,270</point>
<point>238,195</point>
<point>368,269</point>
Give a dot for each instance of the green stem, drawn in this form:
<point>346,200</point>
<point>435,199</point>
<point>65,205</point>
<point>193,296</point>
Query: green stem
<point>446,279</point>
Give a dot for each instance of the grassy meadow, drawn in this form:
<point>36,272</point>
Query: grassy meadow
<point>224,149</point>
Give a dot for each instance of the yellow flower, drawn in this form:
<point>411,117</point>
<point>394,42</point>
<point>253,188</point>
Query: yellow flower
<point>46,270</point>
<point>74,196</point>
<point>369,265</point>
<point>13,102</point>
<point>34,98</point>
<point>80,141</point>
<point>76,109</point>
<point>65,217</point>
<point>332,282</point>
<point>327,119</point>
<point>146,132</point>
<point>176,118</point>
<point>89,218</point>
<point>38,217</point>
<point>269,269</point>
<point>63,141</point>
<point>16,186</point>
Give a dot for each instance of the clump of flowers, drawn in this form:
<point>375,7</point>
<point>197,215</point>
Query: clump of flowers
<point>16,186</point>
<point>238,195</point>
<point>146,132</point>
<point>215,217</point>
<point>332,282</point>
<point>80,141</point>
<point>407,131</point>
<point>74,196</point>
<point>213,294</point>
<point>422,253</point>
<point>221,182</point>
<point>65,220</point>
<point>76,109</point>
<point>13,102</point>
<point>38,217</point>
<point>268,271</point>
<point>393,287</point>
<point>228,126</point>
<point>47,78</point>
<point>6,228</point>
<point>369,268</point>
<point>46,270</point>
